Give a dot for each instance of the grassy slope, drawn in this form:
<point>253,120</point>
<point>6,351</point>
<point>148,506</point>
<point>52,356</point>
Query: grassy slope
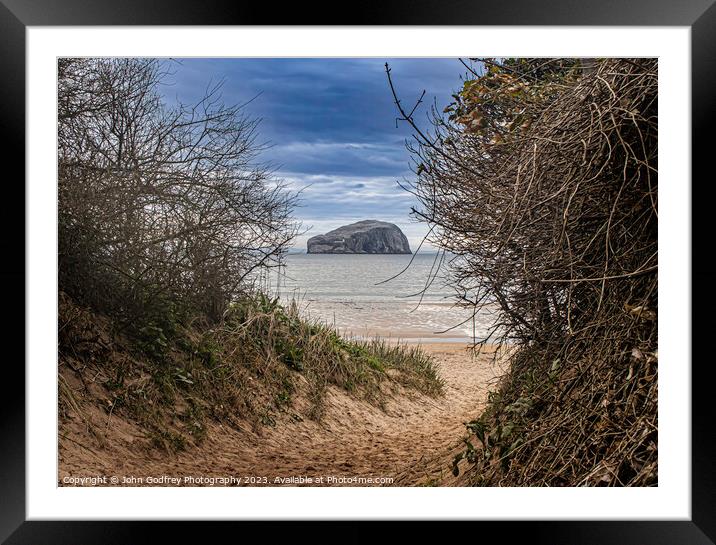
<point>170,375</point>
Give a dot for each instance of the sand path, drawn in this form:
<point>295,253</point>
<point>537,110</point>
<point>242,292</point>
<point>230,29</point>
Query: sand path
<point>411,442</point>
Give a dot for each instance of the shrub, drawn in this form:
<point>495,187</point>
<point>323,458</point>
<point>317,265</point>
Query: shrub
<point>159,201</point>
<point>541,179</point>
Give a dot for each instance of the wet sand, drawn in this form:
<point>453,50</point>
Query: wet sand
<point>431,321</point>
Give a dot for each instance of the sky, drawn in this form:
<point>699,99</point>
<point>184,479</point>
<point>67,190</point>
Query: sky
<point>330,126</point>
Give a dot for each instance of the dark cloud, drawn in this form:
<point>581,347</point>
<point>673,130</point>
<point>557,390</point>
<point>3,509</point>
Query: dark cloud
<point>330,124</point>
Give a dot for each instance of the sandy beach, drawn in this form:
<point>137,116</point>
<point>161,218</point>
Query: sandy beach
<point>409,443</point>
<point>426,323</point>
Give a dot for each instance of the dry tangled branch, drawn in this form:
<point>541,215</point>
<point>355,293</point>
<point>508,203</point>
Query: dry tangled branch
<point>542,183</point>
<point>159,201</point>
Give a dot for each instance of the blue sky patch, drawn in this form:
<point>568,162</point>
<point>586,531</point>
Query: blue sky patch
<point>329,124</point>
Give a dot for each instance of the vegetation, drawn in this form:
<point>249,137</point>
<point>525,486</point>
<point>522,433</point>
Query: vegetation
<point>159,204</point>
<point>541,179</point>
<point>164,219</point>
<point>248,368</point>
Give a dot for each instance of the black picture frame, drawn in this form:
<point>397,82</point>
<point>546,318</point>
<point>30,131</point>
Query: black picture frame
<point>16,15</point>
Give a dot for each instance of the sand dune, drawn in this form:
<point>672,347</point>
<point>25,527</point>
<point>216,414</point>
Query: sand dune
<point>411,442</point>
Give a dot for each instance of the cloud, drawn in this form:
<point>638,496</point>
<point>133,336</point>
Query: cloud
<point>330,99</point>
<point>324,196</point>
<point>331,126</point>
<point>340,158</point>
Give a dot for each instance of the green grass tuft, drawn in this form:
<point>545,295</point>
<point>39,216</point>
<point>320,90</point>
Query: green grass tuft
<point>174,375</point>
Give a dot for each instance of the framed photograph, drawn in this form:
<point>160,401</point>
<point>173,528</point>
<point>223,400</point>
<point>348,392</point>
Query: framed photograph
<point>412,266</point>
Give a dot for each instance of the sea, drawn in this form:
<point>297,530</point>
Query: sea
<point>400,297</point>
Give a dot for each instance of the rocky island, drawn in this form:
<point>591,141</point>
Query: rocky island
<point>363,237</point>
